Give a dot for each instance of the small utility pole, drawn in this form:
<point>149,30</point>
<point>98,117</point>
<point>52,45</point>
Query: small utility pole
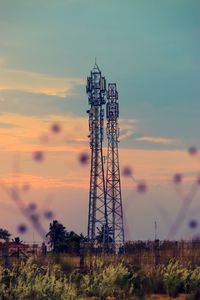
<point>156,230</point>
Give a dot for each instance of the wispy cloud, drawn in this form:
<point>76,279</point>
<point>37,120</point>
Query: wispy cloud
<point>62,170</point>
<point>127,128</point>
<point>26,81</point>
<point>157,140</point>
<point>157,166</point>
<point>44,182</point>
<point>23,133</point>
<point>6,125</point>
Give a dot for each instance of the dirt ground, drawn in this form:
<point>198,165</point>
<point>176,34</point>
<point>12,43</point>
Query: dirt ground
<point>164,297</point>
<point>152,297</point>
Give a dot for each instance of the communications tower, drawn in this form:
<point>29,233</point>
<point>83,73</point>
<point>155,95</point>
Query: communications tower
<point>97,216</point>
<point>113,185</point>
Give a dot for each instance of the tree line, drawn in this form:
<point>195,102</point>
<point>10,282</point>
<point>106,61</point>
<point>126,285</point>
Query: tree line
<point>59,239</point>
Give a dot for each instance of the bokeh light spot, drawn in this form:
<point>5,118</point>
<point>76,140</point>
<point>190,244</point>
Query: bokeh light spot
<point>38,156</point>
<point>26,187</point>
<point>193,224</point>
<point>32,206</point>
<point>84,158</point>
<point>177,178</point>
<point>192,150</point>
<point>127,171</point>
<point>55,128</point>
<point>142,187</point>
<point>22,228</point>
<point>48,214</point>
<point>34,218</point>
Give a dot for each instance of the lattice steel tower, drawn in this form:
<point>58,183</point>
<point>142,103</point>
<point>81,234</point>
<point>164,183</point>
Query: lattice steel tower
<point>113,185</point>
<point>97,216</point>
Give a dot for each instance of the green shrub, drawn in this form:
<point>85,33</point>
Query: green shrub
<point>106,278</point>
<point>38,284</point>
<point>106,281</point>
<point>174,278</point>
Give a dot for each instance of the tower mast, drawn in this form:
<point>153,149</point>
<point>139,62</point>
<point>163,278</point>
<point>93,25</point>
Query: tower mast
<point>113,185</point>
<point>97,215</point>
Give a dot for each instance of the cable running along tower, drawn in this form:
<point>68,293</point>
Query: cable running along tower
<point>105,217</point>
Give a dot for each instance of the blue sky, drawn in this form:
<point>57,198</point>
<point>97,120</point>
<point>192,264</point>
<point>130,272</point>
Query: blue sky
<point>151,48</point>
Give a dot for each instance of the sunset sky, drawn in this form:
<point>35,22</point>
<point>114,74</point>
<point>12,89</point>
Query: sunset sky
<point>151,49</point>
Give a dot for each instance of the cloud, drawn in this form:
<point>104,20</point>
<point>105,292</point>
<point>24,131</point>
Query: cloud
<point>61,167</point>
<point>127,128</point>
<point>157,140</point>
<point>157,166</point>
<point>32,104</point>
<point>26,81</point>
<point>43,182</point>
<point>6,125</point>
<point>25,133</point>
<point>63,170</point>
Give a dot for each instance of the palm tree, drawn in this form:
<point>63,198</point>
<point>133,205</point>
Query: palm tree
<point>73,241</point>
<point>61,240</point>
<point>104,235</point>
<point>17,240</point>
<point>57,236</point>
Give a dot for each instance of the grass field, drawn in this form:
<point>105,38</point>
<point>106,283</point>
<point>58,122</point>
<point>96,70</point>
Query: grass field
<point>103,277</point>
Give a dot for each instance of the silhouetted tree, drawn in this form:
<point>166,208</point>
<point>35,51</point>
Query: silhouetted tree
<point>104,234</point>
<point>104,239</point>
<point>17,240</point>
<point>4,234</point>
<point>61,240</point>
<point>73,241</point>
<point>57,236</point>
